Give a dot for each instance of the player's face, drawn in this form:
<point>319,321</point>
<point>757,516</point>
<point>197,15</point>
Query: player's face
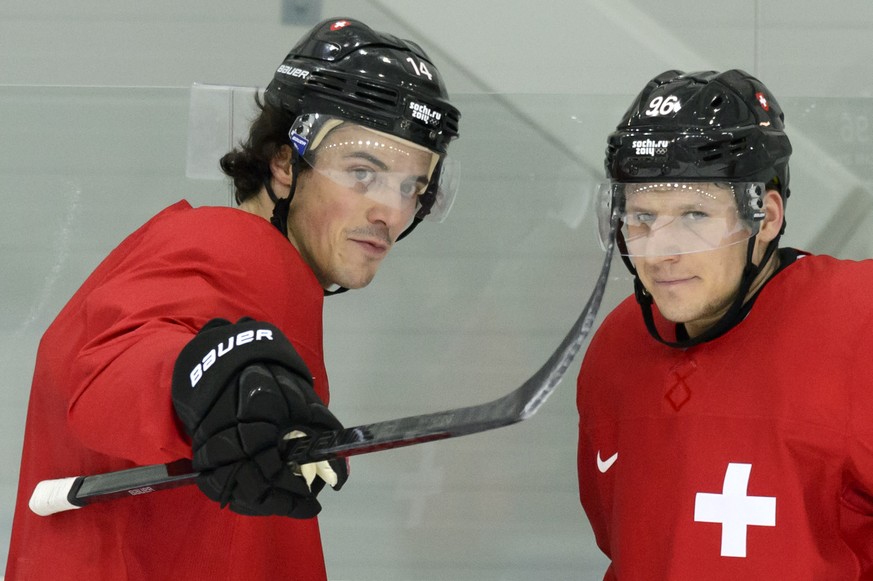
<point>695,289</point>
<point>689,285</point>
<point>360,195</point>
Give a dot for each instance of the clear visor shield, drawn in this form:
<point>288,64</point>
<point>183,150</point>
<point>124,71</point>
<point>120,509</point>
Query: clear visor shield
<point>392,171</point>
<point>666,219</point>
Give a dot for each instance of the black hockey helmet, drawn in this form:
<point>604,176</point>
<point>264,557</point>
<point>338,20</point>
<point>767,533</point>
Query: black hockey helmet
<point>721,128</point>
<point>702,126</point>
<point>344,69</point>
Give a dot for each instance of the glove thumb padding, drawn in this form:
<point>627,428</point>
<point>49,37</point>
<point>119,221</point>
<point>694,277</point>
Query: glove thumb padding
<point>238,389</point>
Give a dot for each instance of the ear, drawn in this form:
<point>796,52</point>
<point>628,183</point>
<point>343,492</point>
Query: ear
<point>280,166</point>
<point>774,215</point>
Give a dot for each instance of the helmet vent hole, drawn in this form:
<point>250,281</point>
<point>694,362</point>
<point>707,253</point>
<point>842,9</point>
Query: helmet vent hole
<point>452,122</point>
<point>737,146</point>
<point>717,102</point>
<point>325,81</point>
<point>711,151</point>
<point>709,148</point>
<point>377,93</point>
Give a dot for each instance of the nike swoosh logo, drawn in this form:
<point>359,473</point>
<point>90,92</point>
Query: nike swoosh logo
<point>604,465</point>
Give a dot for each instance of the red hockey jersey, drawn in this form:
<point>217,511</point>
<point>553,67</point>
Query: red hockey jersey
<point>100,401</point>
<point>747,457</point>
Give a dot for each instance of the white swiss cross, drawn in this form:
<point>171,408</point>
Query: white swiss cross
<point>735,510</point>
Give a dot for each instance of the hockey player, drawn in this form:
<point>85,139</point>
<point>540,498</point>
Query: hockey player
<point>200,335</point>
<point>726,433</point>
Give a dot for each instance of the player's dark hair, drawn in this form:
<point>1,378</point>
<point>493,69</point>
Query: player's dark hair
<point>249,163</point>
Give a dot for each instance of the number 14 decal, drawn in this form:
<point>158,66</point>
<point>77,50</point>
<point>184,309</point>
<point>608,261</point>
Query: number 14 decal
<point>420,68</point>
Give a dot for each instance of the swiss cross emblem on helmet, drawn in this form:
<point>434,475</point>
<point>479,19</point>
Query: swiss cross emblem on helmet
<point>339,24</point>
<point>762,99</point>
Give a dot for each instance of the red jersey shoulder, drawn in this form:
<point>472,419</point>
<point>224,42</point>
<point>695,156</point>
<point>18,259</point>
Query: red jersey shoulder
<point>233,238</point>
<point>229,231</point>
<point>829,282</point>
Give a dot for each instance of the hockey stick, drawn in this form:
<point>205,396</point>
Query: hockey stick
<point>51,496</point>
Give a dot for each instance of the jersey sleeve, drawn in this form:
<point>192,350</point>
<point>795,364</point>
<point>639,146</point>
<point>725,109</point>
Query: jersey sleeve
<point>594,494</point>
<point>138,319</point>
<point>856,511</point>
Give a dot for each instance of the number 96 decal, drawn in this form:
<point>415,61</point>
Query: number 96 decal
<point>663,106</point>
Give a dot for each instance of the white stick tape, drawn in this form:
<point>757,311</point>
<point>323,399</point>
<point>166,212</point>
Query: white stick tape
<point>50,496</point>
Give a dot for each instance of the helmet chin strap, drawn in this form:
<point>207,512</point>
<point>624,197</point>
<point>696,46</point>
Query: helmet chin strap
<point>279,219</point>
<point>737,311</point>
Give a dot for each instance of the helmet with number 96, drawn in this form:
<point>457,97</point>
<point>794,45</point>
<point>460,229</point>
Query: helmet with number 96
<point>702,126</point>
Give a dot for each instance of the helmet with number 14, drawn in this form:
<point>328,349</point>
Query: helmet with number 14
<point>345,75</point>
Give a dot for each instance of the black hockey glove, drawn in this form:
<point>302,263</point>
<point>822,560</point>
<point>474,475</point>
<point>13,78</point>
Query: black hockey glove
<point>239,389</point>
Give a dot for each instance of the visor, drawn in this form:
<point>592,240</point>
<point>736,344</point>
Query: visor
<point>390,170</point>
<point>671,218</point>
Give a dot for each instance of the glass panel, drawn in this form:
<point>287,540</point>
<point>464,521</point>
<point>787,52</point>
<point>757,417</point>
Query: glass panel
<point>461,313</point>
